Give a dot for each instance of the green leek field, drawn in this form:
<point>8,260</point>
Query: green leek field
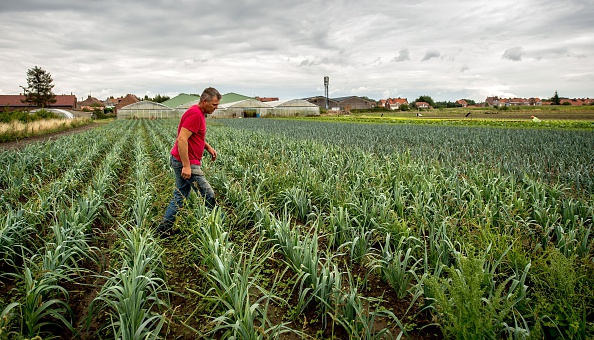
<point>361,227</point>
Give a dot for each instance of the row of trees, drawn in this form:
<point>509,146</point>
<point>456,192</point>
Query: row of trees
<point>439,105</point>
<point>39,89</point>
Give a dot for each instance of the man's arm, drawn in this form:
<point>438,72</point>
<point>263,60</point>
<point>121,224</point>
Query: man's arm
<point>182,148</point>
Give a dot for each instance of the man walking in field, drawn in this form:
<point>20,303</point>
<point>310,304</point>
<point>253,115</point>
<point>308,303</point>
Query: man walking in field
<point>186,156</point>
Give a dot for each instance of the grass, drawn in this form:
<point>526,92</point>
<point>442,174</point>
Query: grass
<point>17,130</point>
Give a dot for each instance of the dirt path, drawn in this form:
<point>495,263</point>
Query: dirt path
<point>18,144</point>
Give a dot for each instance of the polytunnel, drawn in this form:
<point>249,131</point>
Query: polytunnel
<point>146,109</point>
<point>59,112</point>
<point>293,107</point>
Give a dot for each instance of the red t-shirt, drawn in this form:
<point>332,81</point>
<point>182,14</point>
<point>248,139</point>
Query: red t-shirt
<point>193,120</point>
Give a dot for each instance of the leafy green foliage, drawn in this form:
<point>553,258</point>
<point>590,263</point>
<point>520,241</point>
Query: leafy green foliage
<point>157,99</point>
<point>564,296</point>
<point>7,115</point>
<point>426,99</point>
<point>471,305</point>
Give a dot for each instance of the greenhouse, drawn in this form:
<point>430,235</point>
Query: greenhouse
<point>146,109</point>
<point>294,107</point>
<point>180,109</point>
<point>248,108</point>
<point>253,108</point>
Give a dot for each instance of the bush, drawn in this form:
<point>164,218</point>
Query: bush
<point>7,115</point>
<point>474,303</point>
<point>563,294</point>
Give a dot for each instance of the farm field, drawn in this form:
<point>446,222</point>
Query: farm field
<point>323,230</point>
<point>514,113</point>
<point>566,117</point>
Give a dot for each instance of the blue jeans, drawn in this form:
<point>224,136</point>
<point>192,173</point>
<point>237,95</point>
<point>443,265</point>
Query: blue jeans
<point>183,187</point>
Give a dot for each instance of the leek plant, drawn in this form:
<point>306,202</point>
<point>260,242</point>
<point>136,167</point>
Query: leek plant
<point>397,264</point>
<point>234,288</point>
<point>141,190</point>
<point>340,224</point>
<point>44,302</point>
<point>298,202</point>
<point>355,314</point>
<point>135,295</point>
<point>13,233</point>
<point>6,317</point>
<point>132,296</point>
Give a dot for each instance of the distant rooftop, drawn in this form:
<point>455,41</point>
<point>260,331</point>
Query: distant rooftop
<point>180,99</point>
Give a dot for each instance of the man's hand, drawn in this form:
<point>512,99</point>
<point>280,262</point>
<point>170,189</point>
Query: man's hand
<point>186,172</point>
<point>213,153</point>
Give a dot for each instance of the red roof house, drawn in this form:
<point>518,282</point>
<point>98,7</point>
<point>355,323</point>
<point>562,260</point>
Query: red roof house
<point>91,103</point>
<point>423,105</point>
<point>395,103</point>
<point>127,100</point>
<point>462,102</point>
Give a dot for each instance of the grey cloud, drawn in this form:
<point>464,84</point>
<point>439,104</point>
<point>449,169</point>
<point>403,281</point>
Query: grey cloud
<point>307,62</point>
<point>553,53</point>
<point>433,53</point>
<point>376,61</point>
<point>403,55</point>
<point>194,61</point>
<point>514,53</point>
<point>548,53</point>
<point>165,45</point>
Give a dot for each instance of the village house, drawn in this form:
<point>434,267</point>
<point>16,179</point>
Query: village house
<point>127,100</point>
<point>423,105</point>
<point>111,102</point>
<point>395,103</point>
<point>462,103</point>
<point>91,104</point>
<point>496,101</point>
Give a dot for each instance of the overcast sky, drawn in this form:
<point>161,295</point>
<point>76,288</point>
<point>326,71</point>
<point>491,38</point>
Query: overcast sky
<point>446,49</point>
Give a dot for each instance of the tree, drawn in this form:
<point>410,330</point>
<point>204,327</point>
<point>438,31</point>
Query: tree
<point>39,87</point>
<point>556,100</point>
<point>159,98</point>
<point>426,99</point>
